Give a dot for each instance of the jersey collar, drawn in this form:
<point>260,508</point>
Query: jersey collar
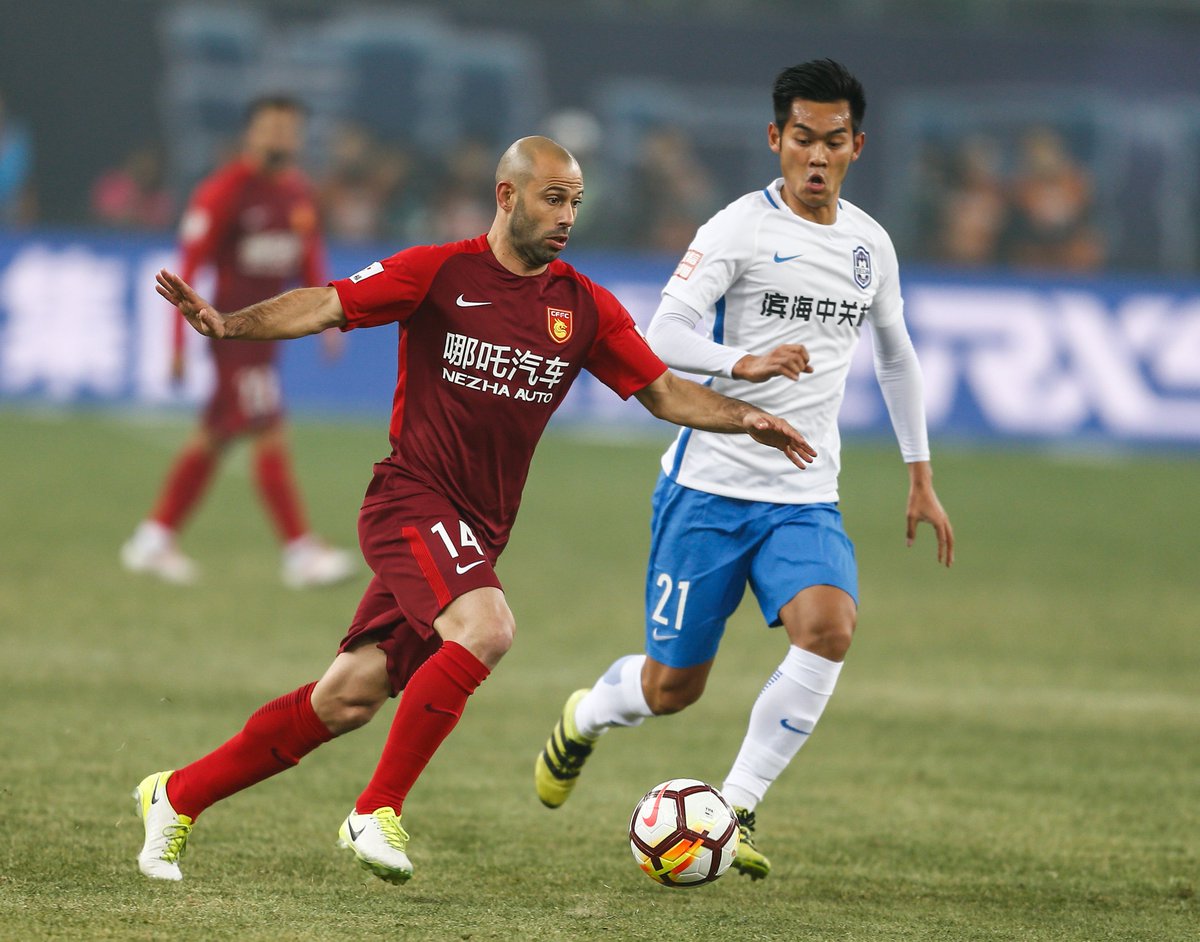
<point>771,193</point>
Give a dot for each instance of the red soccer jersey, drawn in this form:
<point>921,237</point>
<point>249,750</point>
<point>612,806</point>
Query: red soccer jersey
<point>485,358</point>
<point>260,233</point>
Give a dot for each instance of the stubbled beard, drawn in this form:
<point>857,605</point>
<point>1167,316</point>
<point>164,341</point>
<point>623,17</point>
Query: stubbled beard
<point>526,241</point>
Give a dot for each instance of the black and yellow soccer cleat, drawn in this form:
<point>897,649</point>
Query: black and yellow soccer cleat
<point>559,764</point>
<point>749,860</point>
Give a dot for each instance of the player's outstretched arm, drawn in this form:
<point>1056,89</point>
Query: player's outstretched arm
<point>923,505</point>
<point>293,314</point>
<point>683,402</point>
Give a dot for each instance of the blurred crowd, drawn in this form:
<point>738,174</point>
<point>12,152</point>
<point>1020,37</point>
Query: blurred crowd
<point>371,189</point>
<point>375,190</point>
<point>979,203</point>
<point>982,206</point>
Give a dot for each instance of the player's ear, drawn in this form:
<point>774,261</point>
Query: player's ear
<point>506,195</point>
<point>859,139</point>
<point>774,137</point>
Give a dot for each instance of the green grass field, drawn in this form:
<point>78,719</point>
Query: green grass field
<point>1013,751</point>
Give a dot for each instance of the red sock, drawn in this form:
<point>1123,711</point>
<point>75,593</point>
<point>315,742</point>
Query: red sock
<point>184,487</point>
<point>276,737</point>
<point>273,469</point>
<point>430,708</point>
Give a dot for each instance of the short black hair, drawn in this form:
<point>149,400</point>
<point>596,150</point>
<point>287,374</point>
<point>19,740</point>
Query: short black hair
<point>274,102</point>
<point>819,80</point>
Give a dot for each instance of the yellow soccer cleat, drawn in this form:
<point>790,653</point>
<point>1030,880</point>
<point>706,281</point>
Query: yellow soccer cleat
<point>559,764</point>
<point>167,831</point>
<point>749,860</point>
<point>379,843</point>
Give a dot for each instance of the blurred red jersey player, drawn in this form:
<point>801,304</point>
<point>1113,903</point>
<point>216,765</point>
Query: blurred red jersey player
<point>254,221</point>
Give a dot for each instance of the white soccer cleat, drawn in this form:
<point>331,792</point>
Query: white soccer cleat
<point>167,831</point>
<point>379,843</point>
<point>309,563</point>
<point>152,550</point>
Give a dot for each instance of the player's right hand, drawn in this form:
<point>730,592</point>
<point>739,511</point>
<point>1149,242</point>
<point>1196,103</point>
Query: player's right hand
<point>767,429</point>
<point>199,313</point>
<point>788,359</point>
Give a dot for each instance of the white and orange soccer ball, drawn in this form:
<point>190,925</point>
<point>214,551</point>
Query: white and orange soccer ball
<point>683,833</point>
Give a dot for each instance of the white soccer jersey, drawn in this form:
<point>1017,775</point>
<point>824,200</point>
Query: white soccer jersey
<point>762,276</point>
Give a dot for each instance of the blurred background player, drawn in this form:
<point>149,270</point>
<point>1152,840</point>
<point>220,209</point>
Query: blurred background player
<point>255,222</point>
<point>134,194</point>
<point>780,274</point>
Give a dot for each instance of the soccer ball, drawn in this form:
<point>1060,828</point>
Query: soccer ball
<point>683,833</point>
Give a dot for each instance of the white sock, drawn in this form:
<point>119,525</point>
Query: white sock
<point>616,699</point>
<point>783,717</point>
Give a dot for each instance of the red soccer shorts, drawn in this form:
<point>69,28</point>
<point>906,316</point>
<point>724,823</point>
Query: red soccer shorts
<point>424,556</point>
<point>247,397</point>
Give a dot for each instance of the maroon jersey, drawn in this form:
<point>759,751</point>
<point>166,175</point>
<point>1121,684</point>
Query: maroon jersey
<point>260,233</point>
<point>485,357</point>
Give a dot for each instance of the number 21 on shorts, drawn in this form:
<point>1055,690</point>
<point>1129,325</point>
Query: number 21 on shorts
<point>669,588</point>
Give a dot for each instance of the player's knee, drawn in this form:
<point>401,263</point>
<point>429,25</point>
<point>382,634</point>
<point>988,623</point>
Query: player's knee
<point>829,637</point>
<point>490,638</point>
<point>352,690</point>
<point>482,623</point>
<point>664,699</point>
<point>342,713</point>
<point>495,640</point>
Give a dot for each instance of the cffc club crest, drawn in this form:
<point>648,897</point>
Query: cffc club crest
<point>862,267</point>
<point>558,323</point>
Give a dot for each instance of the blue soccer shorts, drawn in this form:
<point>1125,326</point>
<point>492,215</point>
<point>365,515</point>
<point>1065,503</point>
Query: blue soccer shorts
<point>705,548</point>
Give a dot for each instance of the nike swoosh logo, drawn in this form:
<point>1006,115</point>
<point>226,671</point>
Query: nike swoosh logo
<point>461,302</point>
<point>354,835</point>
<point>430,708</point>
<point>461,569</point>
<point>665,636</point>
<point>792,729</point>
<point>786,258</point>
<point>652,818</point>
<point>154,794</point>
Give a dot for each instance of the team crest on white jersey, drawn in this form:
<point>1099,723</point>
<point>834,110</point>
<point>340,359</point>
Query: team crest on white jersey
<point>862,267</point>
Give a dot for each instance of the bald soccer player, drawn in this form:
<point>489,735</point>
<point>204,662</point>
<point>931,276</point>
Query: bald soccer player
<point>495,330</point>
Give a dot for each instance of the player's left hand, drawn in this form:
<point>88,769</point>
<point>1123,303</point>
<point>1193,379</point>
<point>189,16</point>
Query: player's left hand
<point>771,430</point>
<point>923,505</point>
<point>199,313</point>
